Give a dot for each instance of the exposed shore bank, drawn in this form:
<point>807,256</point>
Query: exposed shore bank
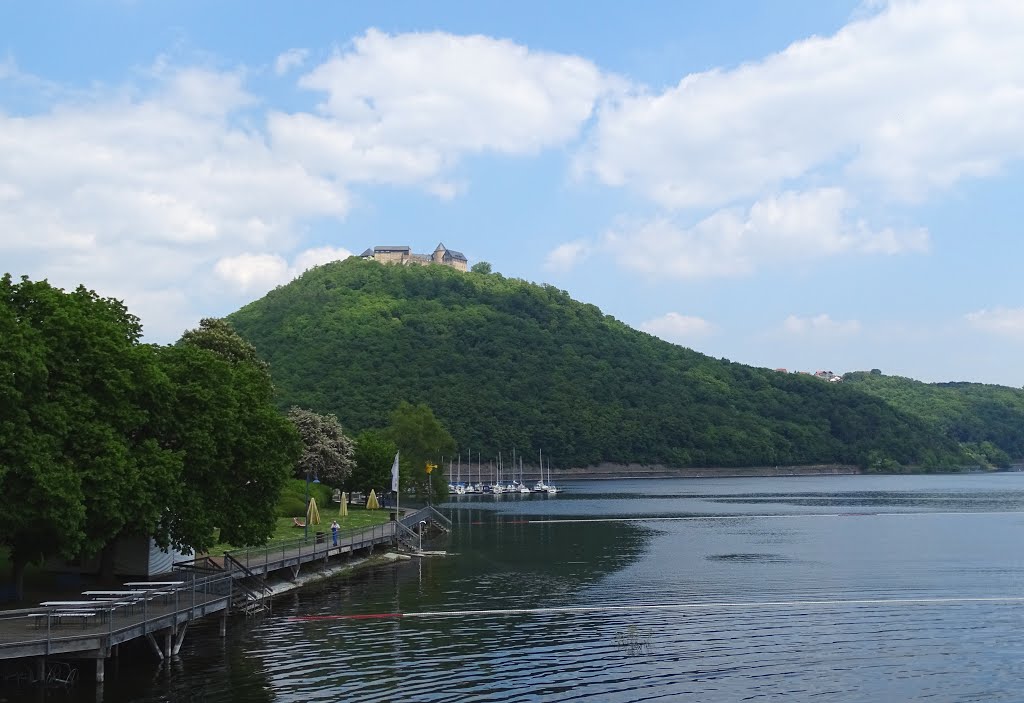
<point>281,585</point>
<point>620,471</point>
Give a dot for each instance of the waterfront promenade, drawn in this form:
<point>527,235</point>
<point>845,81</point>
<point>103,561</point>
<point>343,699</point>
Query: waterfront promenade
<point>91,626</point>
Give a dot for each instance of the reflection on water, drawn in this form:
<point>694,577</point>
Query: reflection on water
<point>824,588</point>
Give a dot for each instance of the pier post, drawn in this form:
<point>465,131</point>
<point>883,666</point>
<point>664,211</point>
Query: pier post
<point>99,669</point>
<point>224,625</point>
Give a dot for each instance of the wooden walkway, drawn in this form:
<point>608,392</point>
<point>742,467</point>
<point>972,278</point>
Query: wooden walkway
<point>208,587</point>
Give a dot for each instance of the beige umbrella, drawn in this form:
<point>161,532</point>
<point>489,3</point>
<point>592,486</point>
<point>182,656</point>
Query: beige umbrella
<point>371,502</point>
<point>312,513</point>
<point>343,508</point>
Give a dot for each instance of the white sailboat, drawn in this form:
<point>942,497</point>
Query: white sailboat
<point>469,486</point>
<point>551,489</point>
<point>497,489</point>
<point>540,486</point>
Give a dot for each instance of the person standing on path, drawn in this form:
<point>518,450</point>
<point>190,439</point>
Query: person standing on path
<point>334,532</point>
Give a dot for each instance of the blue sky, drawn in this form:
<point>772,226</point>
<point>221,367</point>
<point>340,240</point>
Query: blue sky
<point>809,185</point>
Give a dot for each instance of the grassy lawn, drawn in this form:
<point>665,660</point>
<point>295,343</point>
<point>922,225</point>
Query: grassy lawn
<point>286,530</point>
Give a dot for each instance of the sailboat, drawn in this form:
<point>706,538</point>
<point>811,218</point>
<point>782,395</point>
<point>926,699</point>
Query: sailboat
<point>522,486</point>
<point>540,486</point>
<point>551,487</point>
<point>497,489</point>
<point>469,486</point>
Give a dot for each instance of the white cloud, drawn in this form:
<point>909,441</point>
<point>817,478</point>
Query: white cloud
<point>318,256</point>
<point>565,256</point>
<point>909,100</point>
<point>259,272</point>
<point>729,242</point>
<point>680,329</point>
<point>290,60</point>
<point>124,188</point>
<point>1004,322</point>
<point>820,326</point>
<point>404,108</point>
<point>253,271</point>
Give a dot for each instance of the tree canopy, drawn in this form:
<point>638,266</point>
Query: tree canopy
<point>421,439</point>
<point>505,363</point>
<point>326,451</point>
<point>987,420</point>
<point>81,457</point>
<point>102,436</point>
<point>237,448</point>
<point>374,455</point>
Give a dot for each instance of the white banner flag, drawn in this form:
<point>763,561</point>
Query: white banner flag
<point>394,474</point>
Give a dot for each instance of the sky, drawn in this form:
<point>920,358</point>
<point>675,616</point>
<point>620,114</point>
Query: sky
<point>801,184</point>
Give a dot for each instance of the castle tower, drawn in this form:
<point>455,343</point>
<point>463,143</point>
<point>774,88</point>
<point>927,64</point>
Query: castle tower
<point>438,255</point>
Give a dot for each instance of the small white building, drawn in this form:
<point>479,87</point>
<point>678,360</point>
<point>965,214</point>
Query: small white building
<point>133,556</point>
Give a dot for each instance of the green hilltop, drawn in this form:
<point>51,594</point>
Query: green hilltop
<point>987,420</point>
<point>505,363</point>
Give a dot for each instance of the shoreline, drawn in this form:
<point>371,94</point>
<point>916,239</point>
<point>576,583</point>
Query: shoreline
<point>635,471</point>
<point>284,585</point>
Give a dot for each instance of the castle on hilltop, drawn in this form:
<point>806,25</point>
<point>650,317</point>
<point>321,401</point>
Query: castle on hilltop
<point>405,257</point>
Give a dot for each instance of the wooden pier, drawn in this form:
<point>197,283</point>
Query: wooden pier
<point>92,630</point>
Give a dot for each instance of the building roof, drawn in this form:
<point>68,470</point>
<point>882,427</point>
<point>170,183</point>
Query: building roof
<point>368,252</point>
<point>392,248</point>
<point>456,255</point>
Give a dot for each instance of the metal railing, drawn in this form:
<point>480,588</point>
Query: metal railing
<point>95,623</point>
<point>304,549</point>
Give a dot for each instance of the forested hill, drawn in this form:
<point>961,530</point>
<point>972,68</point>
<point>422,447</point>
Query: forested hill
<point>987,420</point>
<point>505,363</point>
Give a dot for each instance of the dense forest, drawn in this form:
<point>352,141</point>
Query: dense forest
<point>987,420</point>
<point>505,363</point>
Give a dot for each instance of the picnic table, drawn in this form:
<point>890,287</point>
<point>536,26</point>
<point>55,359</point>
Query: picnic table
<point>155,584</point>
<point>75,609</point>
<point>113,593</point>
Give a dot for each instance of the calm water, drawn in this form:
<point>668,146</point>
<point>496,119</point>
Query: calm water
<point>844,588</point>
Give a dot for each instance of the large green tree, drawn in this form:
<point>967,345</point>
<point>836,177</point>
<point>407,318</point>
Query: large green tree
<point>374,456</point>
<point>81,461</point>
<point>238,449</point>
<point>326,451</point>
<point>421,439</point>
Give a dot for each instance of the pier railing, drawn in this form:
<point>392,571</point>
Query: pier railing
<point>304,549</point>
<point>96,623</point>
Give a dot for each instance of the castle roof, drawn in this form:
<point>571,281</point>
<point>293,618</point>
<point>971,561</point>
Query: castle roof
<point>406,249</point>
<point>456,254</point>
<point>368,252</point>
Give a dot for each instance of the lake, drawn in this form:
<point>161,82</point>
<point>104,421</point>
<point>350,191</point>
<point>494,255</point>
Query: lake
<point>851,588</point>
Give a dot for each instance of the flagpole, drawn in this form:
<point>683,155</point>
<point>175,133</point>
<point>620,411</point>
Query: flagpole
<point>397,488</point>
